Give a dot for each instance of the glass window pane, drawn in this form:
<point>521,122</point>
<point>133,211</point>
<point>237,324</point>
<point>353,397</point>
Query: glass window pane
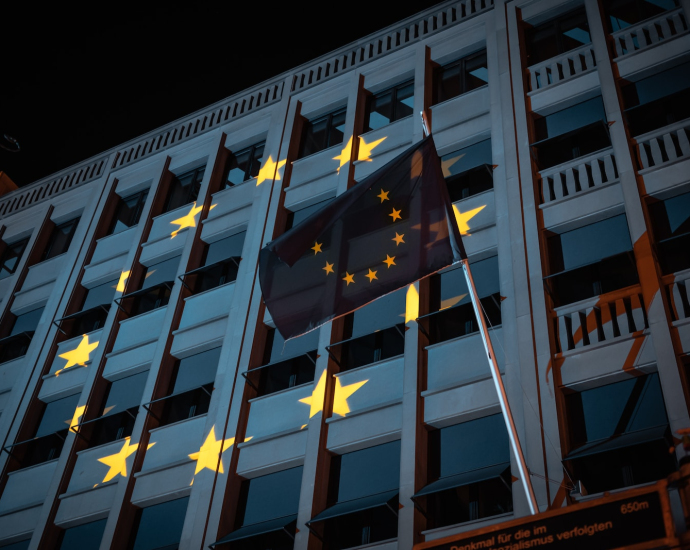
<point>314,137</point>
<point>541,42</point>
<point>572,118</point>
<point>380,110</point>
<point>128,212</point>
<point>466,158</point>
<point>22,545</point>
<point>447,82</point>
<point>385,312</point>
<point>476,72</point>
<point>257,159</point>
<point>11,257</point>
<point>27,322</point>
<point>671,217</point>
<point>575,32</point>
<point>161,525</point>
<point>369,471</point>
<point>57,415</point>
<point>125,393</point>
<point>83,537</point>
<point>225,248</point>
<point>100,295</point>
<point>278,349</point>
<point>337,129</point>
<point>238,167</point>
<point>161,272</point>
<point>196,370</point>
<point>272,496</point>
<point>405,99</point>
<point>298,216</point>
<point>60,239</point>
<point>657,86</point>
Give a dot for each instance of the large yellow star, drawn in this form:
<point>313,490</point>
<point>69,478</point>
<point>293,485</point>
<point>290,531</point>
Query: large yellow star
<point>188,220</point>
<point>268,170</point>
<point>315,400</point>
<point>78,413</point>
<point>383,195</point>
<point>389,261</point>
<point>365,148</point>
<point>317,248</point>
<point>345,155</point>
<point>328,269</point>
<point>118,461</point>
<point>340,406</point>
<point>78,355</point>
<point>446,164</point>
<point>398,239</point>
<point>207,456</point>
<point>371,275</point>
<point>395,214</point>
<point>463,217</point>
<point>349,278</point>
<point>122,281</point>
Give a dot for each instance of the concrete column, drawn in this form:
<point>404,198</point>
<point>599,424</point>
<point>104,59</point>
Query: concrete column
<point>667,362</point>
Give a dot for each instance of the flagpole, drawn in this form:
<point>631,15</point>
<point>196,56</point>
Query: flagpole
<point>496,376</point>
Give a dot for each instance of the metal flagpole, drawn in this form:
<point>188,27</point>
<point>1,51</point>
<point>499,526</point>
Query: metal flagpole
<point>496,376</point>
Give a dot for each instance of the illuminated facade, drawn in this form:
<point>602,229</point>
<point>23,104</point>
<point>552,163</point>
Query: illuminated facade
<point>147,402</point>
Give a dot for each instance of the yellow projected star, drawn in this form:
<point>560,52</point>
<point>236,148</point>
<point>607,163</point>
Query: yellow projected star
<point>123,281</point>
<point>447,164</point>
<point>78,413</point>
<point>78,355</point>
<point>340,406</point>
<point>315,400</point>
<point>345,155</point>
<point>207,456</point>
<point>268,170</point>
<point>463,217</point>
<point>118,461</point>
<point>365,148</point>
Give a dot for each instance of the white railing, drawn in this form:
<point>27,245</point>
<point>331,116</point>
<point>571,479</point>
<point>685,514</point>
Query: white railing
<point>568,179</point>
<point>600,319</point>
<point>664,145</point>
<point>679,297</point>
<point>563,67</point>
<point>650,32</point>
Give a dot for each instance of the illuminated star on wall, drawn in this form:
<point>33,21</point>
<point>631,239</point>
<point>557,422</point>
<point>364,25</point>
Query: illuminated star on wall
<point>207,456</point>
<point>188,220</point>
<point>269,169</point>
<point>78,355</point>
<point>78,413</point>
<point>463,217</point>
<point>447,164</point>
<point>411,303</point>
<point>122,282</point>
<point>118,462</point>
<point>365,148</point>
<point>340,406</point>
<point>345,155</point>
<point>315,400</point>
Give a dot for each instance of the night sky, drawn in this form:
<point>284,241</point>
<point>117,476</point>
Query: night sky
<point>76,83</point>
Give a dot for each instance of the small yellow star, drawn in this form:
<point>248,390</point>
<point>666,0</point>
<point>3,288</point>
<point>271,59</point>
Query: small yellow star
<point>207,456</point>
<point>389,261</point>
<point>118,462</point>
<point>398,239</point>
<point>317,248</point>
<point>268,170</point>
<point>78,355</point>
<point>328,269</point>
<point>371,275</point>
<point>340,406</point>
<point>349,278</point>
<point>395,214</point>
<point>383,195</point>
<point>463,217</point>
<point>365,149</point>
<point>345,155</point>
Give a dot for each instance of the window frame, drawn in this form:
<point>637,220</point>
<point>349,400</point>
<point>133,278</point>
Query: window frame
<point>4,259</point>
<point>462,63</point>
<point>252,159</point>
<point>309,123</point>
<point>192,193</point>
<point>48,251</point>
<point>394,104</point>
<point>555,23</point>
<point>135,214</point>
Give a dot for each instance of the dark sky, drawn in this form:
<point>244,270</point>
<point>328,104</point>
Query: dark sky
<point>74,83</point>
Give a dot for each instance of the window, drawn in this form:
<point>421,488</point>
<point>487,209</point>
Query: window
<point>244,164</point>
<point>363,498</point>
<point>658,100</point>
<point>298,216</point>
<point>570,133</point>
<point>467,485</point>
<point>671,224</point>
<point>11,256</point>
<point>128,212</point>
<point>184,189</point>
<point>60,239</point>
<point>220,264</point>
<point>16,344</point>
<point>468,171</point>
<point>322,133</point>
<point>119,411</point>
<point>460,77</point>
<point>159,527</point>
<point>267,512</point>
<point>453,314</point>
<point>93,312</point>
<point>285,364</point>
<point>374,332</point>
<point>50,434</point>
<point>390,105</point>
<point>619,435</point>
<point>22,545</point>
<point>591,260</point>
<point>192,385</point>
<point>624,13</point>
<point>557,36</point>
<point>83,537</point>
<point>155,290</point>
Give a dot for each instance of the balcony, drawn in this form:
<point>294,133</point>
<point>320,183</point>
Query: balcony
<point>396,137</point>
<point>38,284</point>
<point>164,240</point>
<point>649,33</point>
<point>314,176</point>
<point>561,68</point>
<point>663,146</point>
<point>462,116</point>
<point>15,346</point>
<point>232,209</point>
<point>678,293</point>
<point>109,256</point>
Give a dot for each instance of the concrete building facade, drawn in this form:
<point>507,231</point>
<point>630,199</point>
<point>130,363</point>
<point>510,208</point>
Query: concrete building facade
<point>147,401</point>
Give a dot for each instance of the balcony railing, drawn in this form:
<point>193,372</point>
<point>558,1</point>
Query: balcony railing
<point>211,276</point>
<point>666,144</point>
<point>582,174</point>
<point>650,32</point>
<point>109,427</point>
<point>37,450</point>
<point>615,315</point>
<point>560,68</point>
<point>82,322</point>
<point>182,405</point>
<point>459,320</point>
<point>15,346</point>
<point>146,299</point>
<point>283,374</point>
<point>678,293</point>
<point>370,348</point>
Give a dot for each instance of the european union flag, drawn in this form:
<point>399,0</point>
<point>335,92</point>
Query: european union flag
<point>394,227</point>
